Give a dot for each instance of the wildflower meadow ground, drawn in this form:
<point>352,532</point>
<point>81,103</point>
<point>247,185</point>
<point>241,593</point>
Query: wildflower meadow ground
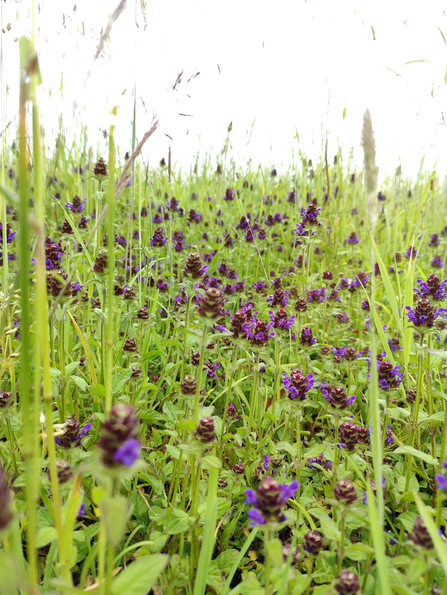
<point>227,380</point>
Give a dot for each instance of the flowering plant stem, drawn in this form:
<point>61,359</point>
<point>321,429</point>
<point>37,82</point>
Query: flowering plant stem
<point>227,398</point>
<point>110,269</point>
<point>199,379</point>
<point>252,406</point>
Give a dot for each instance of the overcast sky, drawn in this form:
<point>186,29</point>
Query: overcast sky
<point>271,70</point>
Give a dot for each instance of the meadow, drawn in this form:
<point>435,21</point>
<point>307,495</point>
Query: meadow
<point>228,380</point>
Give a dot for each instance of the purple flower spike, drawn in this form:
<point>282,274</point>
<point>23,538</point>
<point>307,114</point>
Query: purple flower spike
<point>441,483</point>
<point>128,453</point>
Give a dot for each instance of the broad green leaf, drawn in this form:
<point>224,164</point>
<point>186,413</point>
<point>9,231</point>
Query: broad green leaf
<point>179,522</point>
<point>409,450</point>
<point>45,536</point>
<point>115,511</point>
<point>140,576</point>
<point>212,461</point>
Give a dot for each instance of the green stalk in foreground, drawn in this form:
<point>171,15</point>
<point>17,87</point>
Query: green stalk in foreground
<point>376,514</point>
<point>110,265</point>
<point>28,61</point>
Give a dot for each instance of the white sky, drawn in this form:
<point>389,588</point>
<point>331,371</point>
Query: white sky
<point>287,66</point>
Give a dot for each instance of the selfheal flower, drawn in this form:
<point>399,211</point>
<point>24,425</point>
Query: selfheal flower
<point>441,482</point>
<point>77,206</point>
<point>424,313</point>
<point>437,262</point>
<point>119,436</point>
<point>434,240</point>
<point>100,170</point>
<point>5,498</point>
<point>336,396</point>
<point>194,267</point>
<point>432,288</point>
<point>297,384</point>
<point>389,375</point>
<point>352,239</point>
<point>344,492</point>
<point>281,320</point>
<point>420,535</point>
<point>205,431</point>
<point>71,433</point>
<point>348,583</point>
<point>268,500</point>
<point>158,238</point>
<point>310,215</point>
<point>411,252</point>
<point>128,453</point>
<point>10,235</point>
<point>306,337</point>
<point>313,542</point>
<point>257,331</point>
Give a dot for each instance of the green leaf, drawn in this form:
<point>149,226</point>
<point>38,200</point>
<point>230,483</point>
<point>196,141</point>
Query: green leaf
<point>80,383</point>
<point>358,551</point>
<point>329,528</point>
<point>119,380</point>
<point>409,450</point>
<point>115,511</point>
<point>45,536</point>
<point>179,522</point>
<point>315,451</point>
<point>140,576</point>
<point>287,447</point>
<point>98,390</point>
<point>212,461</point>
<point>274,549</point>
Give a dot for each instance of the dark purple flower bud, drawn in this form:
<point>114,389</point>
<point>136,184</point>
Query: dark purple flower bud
<point>432,288</point>
<point>205,431</point>
<point>130,345</point>
<point>345,492</point>
<point>101,261</point>
<point>188,385</point>
<point>349,434</point>
<point>4,398</point>
<point>158,239</point>
<point>437,262</point>
<point>313,542</point>
<point>239,468</point>
<point>424,314</point>
<point>352,239</point>
<point>77,206</point>
<point>328,276</point>
<point>143,313</point>
<point>420,535</point>
<point>64,471</point>
<point>269,500</point>
<point>279,299</point>
<point>73,433</point>
<point>211,305</point>
<point>336,396</point>
<point>119,436</point>
<point>5,498</point>
<point>434,240</point>
<point>258,332</point>
<point>297,384</point>
<point>381,196</point>
<point>100,169</point>
<point>306,337</point>
<point>348,583</point>
<point>194,267</point>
